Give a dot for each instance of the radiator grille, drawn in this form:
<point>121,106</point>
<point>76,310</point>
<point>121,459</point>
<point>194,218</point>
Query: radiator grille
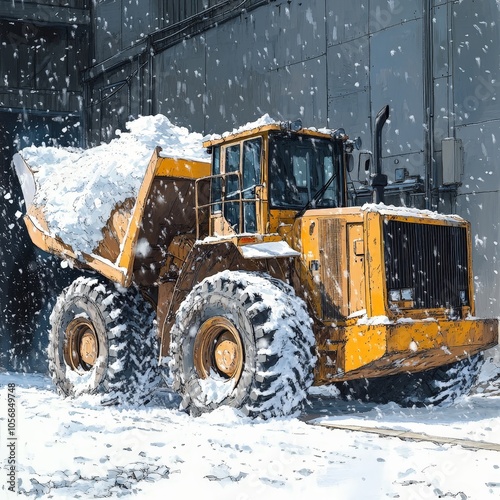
<point>430,259</point>
<point>331,268</point>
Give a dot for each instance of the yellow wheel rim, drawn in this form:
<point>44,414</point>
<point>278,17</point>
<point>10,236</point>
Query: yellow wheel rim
<point>218,348</point>
<point>81,346</point>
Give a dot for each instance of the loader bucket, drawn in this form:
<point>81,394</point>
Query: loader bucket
<point>114,255</point>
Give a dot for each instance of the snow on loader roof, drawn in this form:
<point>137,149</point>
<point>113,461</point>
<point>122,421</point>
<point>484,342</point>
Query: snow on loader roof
<point>73,195</point>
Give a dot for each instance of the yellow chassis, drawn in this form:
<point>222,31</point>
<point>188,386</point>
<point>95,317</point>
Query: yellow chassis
<point>366,351</point>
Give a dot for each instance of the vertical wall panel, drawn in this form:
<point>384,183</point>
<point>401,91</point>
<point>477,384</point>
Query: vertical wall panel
<point>180,84</point>
<point>107,29</point>
<point>267,61</point>
<point>120,23</point>
<point>346,21</point>
<point>387,13</point>
<point>396,78</point>
<point>476,68</point>
<point>475,115</point>
<point>481,209</point>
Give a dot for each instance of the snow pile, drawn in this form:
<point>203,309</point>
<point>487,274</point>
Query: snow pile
<point>78,189</point>
<point>261,122</point>
<point>266,250</point>
<point>488,383</point>
<point>409,212</point>
<point>118,481</point>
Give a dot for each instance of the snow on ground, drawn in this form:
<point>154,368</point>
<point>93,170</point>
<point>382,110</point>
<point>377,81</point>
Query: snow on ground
<point>77,189</point>
<point>458,422</point>
<point>79,449</point>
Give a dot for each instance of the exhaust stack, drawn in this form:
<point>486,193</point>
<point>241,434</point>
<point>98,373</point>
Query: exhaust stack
<point>379,180</point>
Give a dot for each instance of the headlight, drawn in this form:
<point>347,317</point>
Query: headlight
<point>401,298</point>
<point>407,293</point>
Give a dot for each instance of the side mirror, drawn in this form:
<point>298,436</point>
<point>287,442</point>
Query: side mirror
<point>365,161</point>
<point>350,146</point>
<point>350,162</point>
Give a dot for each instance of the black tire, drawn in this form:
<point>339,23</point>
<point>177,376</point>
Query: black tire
<point>439,386</point>
<point>103,341</point>
<point>243,340</point>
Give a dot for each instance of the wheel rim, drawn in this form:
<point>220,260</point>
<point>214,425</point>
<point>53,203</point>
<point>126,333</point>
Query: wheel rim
<point>81,347</point>
<point>218,348</point>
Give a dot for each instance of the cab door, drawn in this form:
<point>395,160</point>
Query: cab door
<point>232,193</point>
<point>241,171</point>
<point>251,177</point>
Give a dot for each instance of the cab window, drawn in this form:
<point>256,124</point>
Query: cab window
<point>299,166</point>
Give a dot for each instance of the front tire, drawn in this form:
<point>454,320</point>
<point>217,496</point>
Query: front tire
<point>243,340</point>
<point>103,341</point>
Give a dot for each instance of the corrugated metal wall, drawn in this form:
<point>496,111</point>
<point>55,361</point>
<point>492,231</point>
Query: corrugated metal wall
<point>43,47</point>
<point>474,116</point>
<point>335,63</point>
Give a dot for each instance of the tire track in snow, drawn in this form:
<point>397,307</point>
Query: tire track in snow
<point>410,436</point>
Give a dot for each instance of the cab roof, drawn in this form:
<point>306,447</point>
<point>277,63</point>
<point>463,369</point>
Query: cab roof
<point>255,131</point>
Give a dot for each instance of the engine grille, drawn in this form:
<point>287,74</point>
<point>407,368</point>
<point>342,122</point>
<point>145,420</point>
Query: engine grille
<point>331,268</point>
<point>430,259</point>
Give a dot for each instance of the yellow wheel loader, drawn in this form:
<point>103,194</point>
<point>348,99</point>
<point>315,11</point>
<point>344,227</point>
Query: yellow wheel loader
<point>260,281</point>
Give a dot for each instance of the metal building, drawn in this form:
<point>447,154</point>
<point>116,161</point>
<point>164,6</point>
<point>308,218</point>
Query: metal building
<point>212,65</point>
<point>44,46</point>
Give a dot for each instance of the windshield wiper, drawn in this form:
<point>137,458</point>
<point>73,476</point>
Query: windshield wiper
<point>319,194</point>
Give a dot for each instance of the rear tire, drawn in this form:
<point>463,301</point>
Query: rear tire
<point>243,340</point>
<point>103,341</point>
<point>439,386</point>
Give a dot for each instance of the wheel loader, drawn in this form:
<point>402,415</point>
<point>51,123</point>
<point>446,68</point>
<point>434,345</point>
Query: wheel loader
<point>260,281</point>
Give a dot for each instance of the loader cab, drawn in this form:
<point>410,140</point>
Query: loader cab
<point>266,176</point>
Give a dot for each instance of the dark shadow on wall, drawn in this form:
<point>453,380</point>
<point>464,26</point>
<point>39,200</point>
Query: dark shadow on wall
<point>30,279</point>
